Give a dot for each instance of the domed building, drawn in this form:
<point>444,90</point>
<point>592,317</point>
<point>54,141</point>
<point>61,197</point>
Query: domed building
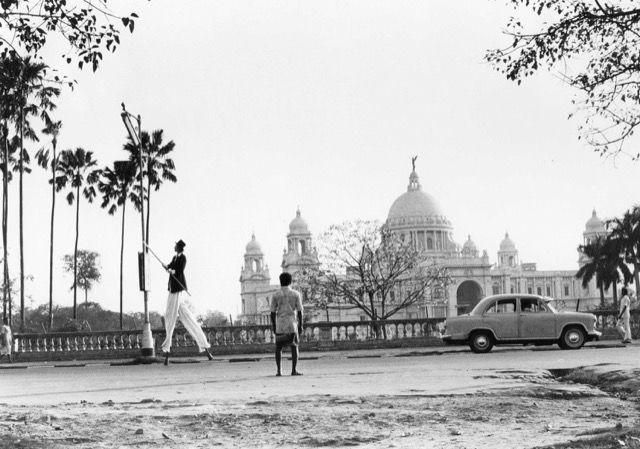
<point>418,218</point>
<point>255,282</point>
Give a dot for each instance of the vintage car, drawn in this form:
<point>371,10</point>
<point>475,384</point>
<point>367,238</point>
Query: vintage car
<point>519,318</point>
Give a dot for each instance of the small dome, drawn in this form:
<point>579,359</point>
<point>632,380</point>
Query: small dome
<point>469,246</point>
<point>594,224</point>
<point>507,244</point>
<point>253,247</point>
<point>298,225</point>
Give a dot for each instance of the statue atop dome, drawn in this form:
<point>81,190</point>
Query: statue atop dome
<point>413,162</point>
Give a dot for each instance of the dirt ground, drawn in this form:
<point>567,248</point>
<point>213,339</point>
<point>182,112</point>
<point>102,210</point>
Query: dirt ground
<point>596,407</point>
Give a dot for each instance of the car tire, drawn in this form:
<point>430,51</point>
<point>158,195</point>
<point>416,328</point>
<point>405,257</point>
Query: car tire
<point>572,338</point>
<point>481,342</point>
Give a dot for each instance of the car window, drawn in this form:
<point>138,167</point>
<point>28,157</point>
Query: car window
<point>502,306</point>
<point>530,305</point>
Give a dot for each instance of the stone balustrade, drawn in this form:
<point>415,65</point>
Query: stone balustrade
<point>227,339</point>
<point>258,338</point>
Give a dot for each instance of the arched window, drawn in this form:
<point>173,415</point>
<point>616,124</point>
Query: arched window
<point>429,243</point>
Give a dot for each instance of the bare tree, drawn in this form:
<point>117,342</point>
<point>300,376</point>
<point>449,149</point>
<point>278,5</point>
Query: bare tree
<point>375,270</point>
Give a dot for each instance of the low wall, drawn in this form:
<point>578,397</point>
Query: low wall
<point>258,339</point>
<point>228,340</point>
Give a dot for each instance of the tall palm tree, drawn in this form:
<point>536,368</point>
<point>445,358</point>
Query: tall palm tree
<point>115,185</point>
<point>158,167</point>
<point>46,161</point>
<point>8,163</point>
<point>9,72</point>
<point>75,171</point>
<point>29,83</point>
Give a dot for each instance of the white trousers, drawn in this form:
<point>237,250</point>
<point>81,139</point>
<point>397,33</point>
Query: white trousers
<point>626,326</point>
<point>177,308</point>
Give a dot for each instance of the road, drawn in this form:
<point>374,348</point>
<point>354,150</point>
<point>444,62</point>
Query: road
<point>389,372</point>
<point>445,399</point>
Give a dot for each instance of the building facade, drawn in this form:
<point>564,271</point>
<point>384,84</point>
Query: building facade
<point>419,219</point>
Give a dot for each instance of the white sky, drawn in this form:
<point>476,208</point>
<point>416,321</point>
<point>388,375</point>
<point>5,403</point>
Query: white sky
<point>321,104</point>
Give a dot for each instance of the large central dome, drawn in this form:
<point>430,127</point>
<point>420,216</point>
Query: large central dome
<point>416,216</point>
<point>415,207</point>
<point>414,203</point>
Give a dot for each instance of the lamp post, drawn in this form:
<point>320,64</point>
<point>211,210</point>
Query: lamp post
<point>148,348</point>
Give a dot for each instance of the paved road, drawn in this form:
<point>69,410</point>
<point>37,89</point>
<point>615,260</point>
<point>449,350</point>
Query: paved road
<point>423,371</point>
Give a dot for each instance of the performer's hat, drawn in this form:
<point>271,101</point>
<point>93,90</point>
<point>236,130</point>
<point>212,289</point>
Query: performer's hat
<point>181,244</point>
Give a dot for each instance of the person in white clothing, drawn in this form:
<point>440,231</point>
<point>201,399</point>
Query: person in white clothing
<point>6,339</point>
<point>286,322</point>
<point>625,314</point>
<point>177,308</point>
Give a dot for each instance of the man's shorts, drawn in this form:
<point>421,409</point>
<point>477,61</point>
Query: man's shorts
<point>287,339</point>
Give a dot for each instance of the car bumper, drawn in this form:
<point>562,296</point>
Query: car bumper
<point>452,340</point>
<point>594,335</point>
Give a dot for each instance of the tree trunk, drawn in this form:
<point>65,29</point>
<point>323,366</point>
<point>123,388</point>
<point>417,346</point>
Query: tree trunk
<point>122,255</point>
<point>5,199</point>
<point>75,257</point>
<point>636,276</point>
<point>20,212</point>
<point>148,209</point>
<point>53,208</point>
<point>374,316</point>
<point>614,286</point>
<point>602,301</point>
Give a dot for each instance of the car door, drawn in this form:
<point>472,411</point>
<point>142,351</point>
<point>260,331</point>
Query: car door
<point>501,317</point>
<point>535,321</point>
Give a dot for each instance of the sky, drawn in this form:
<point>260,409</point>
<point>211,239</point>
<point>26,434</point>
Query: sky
<point>275,105</point>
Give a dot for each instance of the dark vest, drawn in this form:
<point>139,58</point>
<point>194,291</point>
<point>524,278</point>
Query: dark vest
<point>178,263</point>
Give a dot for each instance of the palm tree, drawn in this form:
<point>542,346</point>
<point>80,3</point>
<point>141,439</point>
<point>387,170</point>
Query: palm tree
<point>617,269</point>
<point>627,231</point>
<point>8,163</point>
<point>115,185</point>
<point>75,170</point>
<point>29,80</point>
<point>606,263</point>
<point>46,161</point>
<point>159,167</point>
<point>595,266</point>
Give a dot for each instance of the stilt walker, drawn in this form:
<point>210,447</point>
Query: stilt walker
<point>176,308</point>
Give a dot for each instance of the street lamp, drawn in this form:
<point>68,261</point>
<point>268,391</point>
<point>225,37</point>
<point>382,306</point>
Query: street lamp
<point>148,348</point>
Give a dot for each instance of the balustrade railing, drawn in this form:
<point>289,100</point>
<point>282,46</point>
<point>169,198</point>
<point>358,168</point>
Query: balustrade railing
<point>227,336</point>
<point>111,343</point>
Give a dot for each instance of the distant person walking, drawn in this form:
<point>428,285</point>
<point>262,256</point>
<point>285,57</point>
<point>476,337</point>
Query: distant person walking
<point>177,308</point>
<point>625,314</point>
<point>286,322</point>
<point>6,339</point>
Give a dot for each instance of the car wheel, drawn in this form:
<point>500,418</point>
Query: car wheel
<point>481,342</point>
<point>572,338</point>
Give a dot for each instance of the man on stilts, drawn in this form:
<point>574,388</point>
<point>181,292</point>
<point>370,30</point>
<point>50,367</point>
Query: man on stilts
<point>177,308</point>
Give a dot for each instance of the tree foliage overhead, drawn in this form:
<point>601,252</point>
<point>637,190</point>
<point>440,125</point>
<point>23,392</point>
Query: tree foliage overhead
<point>595,47</point>
<point>89,27</point>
